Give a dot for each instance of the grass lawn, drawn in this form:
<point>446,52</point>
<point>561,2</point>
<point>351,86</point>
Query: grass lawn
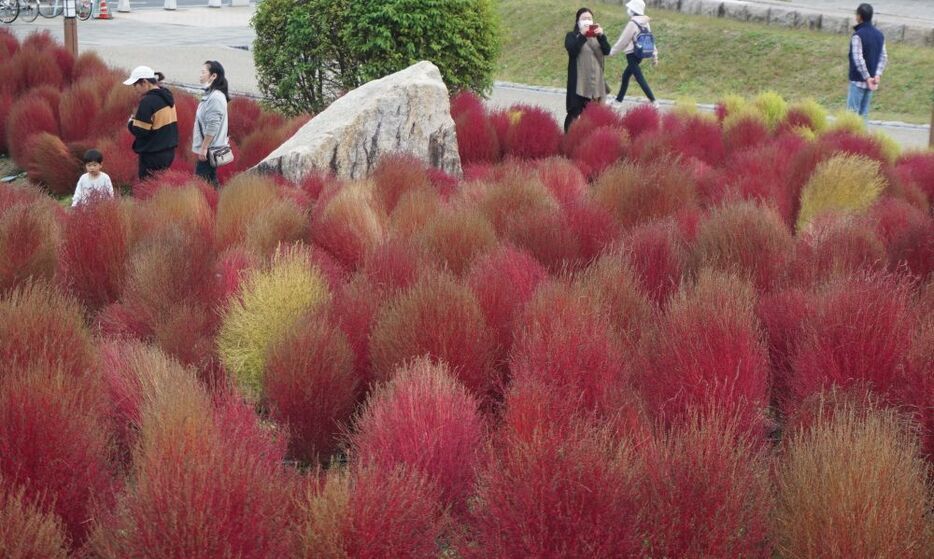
<point>706,58</point>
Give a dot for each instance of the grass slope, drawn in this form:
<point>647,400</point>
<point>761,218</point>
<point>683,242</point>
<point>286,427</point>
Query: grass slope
<point>707,58</point>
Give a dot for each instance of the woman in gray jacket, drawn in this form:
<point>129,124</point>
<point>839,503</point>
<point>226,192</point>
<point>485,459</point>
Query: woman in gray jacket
<point>211,119</point>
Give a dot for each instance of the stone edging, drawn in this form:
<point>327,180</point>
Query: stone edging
<point>790,17</point>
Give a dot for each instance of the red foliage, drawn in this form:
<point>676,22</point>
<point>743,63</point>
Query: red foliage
<point>535,135</point>
<point>395,175</point>
<point>353,310</point>
<point>28,116</point>
<point>699,138</point>
<point>746,133</point>
<point>89,65</point>
<point>119,102</point>
<point>243,113</point>
<point>705,493</point>
<point>424,420</point>
<point>29,239</point>
<point>52,165</point>
<point>38,67</point>
<point>593,226</point>
<point>638,193</point>
<point>860,333</point>
<point>6,103</point>
<point>658,255</point>
<point>641,119</point>
<point>783,315</point>
<point>392,265</point>
<point>601,148</point>
<point>94,252</point>
<point>391,514</point>
<point>796,118</point>
<point>594,116</point>
<point>762,173</point>
<point>503,281</point>
<point>120,162</point>
<point>916,169</point>
<point>835,247</point>
<point>310,387</point>
<point>66,63</point>
<point>54,445</point>
<point>556,495</point>
<point>851,143</point>
<point>27,532</point>
<point>438,317</point>
<point>563,179</point>
<point>77,109</point>
<point>170,178</point>
<point>477,140</point>
<point>444,183</point>
<point>707,355</point>
<point>465,102</point>
<point>567,342</point>
<point>257,145</point>
<point>232,265</point>
<point>908,236</point>
<point>8,41</point>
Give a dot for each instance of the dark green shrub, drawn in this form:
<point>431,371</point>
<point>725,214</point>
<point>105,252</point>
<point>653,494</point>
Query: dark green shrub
<point>459,36</point>
<point>302,60</point>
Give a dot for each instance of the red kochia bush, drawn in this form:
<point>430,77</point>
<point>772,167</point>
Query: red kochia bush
<point>464,102</point>
<point>258,144</point>
<point>783,315</point>
<point>6,103</point>
<point>860,333</point>
<point>392,265</point>
<point>310,386</point>
<point>39,67</point>
<point>8,41</point>
<point>52,165</point>
<point>836,247</point>
<point>641,119</point>
<point>425,420</point>
<point>658,254</point>
<point>94,252</point>
<point>26,531</point>
<point>353,310</point>
<point>29,239</point>
<point>638,193</point>
<point>77,109</point>
<point>535,135</point>
<point>120,162</point>
<point>600,149</point>
<point>707,354</point>
<point>396,174</point>
<point>54,444</point>
<point>594,116</point>
<point>705,493</point>
<point>28,116</point>
<point>503,282</point>
<point>439,317</point>
<point>918,169</point>
<point>563,179</point>
<point>89,65</point>
<point>566,340</point>
<point>556,495</point>
<point>747,132</point>
<point>699,138</point>
<point>243,113</point>
<point>477,141</point>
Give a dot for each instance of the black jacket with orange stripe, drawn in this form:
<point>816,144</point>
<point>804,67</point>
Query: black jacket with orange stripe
<point>155,124</point>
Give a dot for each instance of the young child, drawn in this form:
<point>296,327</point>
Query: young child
<point>93,183</point>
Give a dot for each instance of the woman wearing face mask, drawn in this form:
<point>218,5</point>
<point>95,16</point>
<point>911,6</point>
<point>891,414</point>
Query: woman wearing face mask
<point>638,22</point>
<point>210,129</point>
<point>587,46</point>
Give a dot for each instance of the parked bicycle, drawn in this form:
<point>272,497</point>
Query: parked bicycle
<point>27,10</point>
<point>55,8</point>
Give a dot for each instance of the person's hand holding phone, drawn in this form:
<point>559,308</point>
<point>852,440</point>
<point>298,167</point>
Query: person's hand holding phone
<point>597,30</point>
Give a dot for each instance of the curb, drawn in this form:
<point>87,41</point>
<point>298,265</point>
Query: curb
<point>705,106</point>
<point>789,17</point>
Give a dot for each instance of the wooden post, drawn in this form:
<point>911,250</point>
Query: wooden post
<point>71,35</point>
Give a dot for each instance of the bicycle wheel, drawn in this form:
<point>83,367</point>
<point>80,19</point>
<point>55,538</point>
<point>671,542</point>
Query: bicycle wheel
<point>9,9</point>
<point>84,9</point>
<point>49,8</point>
<point>29,10</point>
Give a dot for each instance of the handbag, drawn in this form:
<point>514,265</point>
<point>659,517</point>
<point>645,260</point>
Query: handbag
<point>220,156</point>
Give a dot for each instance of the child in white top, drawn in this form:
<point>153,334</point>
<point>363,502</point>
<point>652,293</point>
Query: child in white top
<point>93,183</point>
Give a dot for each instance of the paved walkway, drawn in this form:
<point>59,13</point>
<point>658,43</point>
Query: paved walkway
<point>177,42</point>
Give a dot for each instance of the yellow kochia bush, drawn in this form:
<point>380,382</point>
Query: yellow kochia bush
<point>269,304</point>
<point>844,183</point>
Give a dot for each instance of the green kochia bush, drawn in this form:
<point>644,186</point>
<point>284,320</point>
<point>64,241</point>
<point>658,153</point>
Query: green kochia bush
<point>459,36</point>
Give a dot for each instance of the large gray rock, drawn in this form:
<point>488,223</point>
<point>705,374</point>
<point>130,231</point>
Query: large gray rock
<point>893,31</point>
<point>809,20</point>
<point>783,17</point>
<point>922,36</point>
<point>408,111</point>
<point>758,13</point>
<point>836,24</point>
<point>736,9</point>
<point>702,7</point>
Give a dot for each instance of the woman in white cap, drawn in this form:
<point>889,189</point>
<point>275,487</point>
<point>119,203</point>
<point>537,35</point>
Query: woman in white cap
<point>587,46</point>
<point>638,23</point>
<point>155,124</point>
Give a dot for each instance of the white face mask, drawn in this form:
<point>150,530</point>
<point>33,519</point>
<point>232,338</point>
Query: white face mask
<point>584,23</point>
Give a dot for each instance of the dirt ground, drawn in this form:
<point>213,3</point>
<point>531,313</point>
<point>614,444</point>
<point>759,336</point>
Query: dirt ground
<point>7,168</point>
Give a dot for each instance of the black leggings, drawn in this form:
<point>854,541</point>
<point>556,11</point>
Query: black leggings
<point>632,69</point>
<point>575,105</point>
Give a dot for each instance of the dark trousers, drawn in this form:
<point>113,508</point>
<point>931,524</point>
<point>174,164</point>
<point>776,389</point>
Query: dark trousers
<point>632,69</point>
<point>204,170</point>
<point>149,163</point>
<point>575,105</point>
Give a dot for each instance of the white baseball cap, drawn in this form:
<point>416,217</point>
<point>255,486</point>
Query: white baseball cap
<point>140,73</point>
<point>637,6</point>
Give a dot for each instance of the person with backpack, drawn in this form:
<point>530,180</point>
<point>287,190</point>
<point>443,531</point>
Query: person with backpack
<point>638,43</point>
<point>587,46</point>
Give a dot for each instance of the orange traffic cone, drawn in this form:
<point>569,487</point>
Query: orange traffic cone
<point>104,11</point>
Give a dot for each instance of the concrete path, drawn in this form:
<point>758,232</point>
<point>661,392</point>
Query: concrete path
<point>177,42</point>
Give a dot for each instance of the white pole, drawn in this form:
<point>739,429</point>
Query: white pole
<point>123,6</point>
<point>214,3</point>
<point>170,4</point>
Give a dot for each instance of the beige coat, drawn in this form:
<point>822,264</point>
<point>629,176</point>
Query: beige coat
<point>625,44</point>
